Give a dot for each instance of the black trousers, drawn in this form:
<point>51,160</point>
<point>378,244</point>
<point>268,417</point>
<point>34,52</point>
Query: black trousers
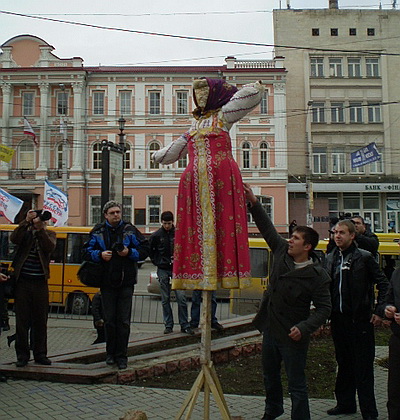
<point>393,404</point>
<point>355,354</point>
<point>31,311</point>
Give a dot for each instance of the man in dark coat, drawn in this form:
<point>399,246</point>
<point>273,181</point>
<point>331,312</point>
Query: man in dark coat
<point>354,273</point>
<point>285,318</point>
<point>364,237</point>
<point>118,245</point>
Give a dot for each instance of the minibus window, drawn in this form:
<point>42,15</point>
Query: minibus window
<point>7,248</point>
<point>75,247</point>
<point>57,256</point>
<point>259,262</point>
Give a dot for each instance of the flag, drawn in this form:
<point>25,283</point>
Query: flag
<point>9,205</point>
<point>56,202</point>
<point>6,153</point>
<point>28,130</point>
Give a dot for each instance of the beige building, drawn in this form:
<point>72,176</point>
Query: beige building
<point>73,108</point>
<point>343,93</point>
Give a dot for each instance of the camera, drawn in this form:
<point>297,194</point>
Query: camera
<point>43,215</point>
<point>118,247</point>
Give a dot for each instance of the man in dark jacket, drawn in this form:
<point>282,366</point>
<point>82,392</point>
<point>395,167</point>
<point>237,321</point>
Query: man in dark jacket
<point>285,318</point>
<point>161,254</point>
<point>31,266</point>
<point>364,237</point>
<point>392,313</point>
<point>118,245</point>
<point>354,272</point>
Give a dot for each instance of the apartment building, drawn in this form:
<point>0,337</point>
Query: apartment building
<point>73,109</point>
<point>343,93</point>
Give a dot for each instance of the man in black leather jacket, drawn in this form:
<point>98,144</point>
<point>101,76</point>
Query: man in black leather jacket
<point>364,237</point>
<point>354,272</point>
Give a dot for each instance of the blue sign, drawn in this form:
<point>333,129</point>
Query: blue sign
<point>367,154</point>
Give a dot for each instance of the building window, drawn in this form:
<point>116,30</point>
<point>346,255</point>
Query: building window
<point>318,112</point>
<point>317,67</point>
<point>338,162</point>
<point>377,166</point>
<point>125,102</point>
<point>264,155</point>
<point>26,155</point>
<point>246,155</point>
<point>356,112</point>
<point>96,156</point>
<point>374,113</point>
<point>28,103</point>
<point>354,67</point>
<point>60,156</point>
<point>264,103</point>
<point>315,31</point>
<point>372,65</point>
<point>351,201</point>
<point>335,67</point>
<point>127,156</point>
<point>153,147</point>
<point>155,102</point>
<point>95,210</point>
<point>337,112</point>
<point>358,170</point>
<point>62,103</point>
<point>266,203</point>
<point>319,160</point>
<point>98,103</point>
<point>181,102</point>
<point>334,31</point>
<point>154,208</point>
<point>352,31</point>
<point>182,162</point>
<point>127,208</point>
<point>371,31</point>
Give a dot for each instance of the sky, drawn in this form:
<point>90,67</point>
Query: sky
<point>242,21</point>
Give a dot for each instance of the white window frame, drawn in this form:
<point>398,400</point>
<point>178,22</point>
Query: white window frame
<point>152,219</point>
<point>354,67</point>
<point>127,156</point>
<point>182,162</point>
<point>267,204</point>
<point>374,113</point>
<point>246,155</point>
<point>96,156</point>
<point>264,103</point>
<point>62,103</point>
<point>95,213</point>
<point>318,112</point>
<point>28,103</point>
<point>153,147</point>
<point>98,98</point>
<point>337,112</point>
<point>335,67</point>
<point>26,155</point>
<point>356,112</point>
<point>317,67</point>
<point>182,103</point>
<point>338,160</point>
<point>125,102</point>
<point>60,155</point>
<point>377,166</point>
<point>319,160</point>
<point>154,102</point>
<point>264,155</point>
<point>372,66</point>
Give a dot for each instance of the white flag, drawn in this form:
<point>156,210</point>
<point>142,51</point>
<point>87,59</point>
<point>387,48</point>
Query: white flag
<point>9,205</point>
<point>28,130</point>
<point>56,202</point>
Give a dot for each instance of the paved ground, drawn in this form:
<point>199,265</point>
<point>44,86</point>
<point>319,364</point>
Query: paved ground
<point>22,399</point>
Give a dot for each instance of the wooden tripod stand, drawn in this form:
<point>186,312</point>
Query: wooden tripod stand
<point>207,379</point>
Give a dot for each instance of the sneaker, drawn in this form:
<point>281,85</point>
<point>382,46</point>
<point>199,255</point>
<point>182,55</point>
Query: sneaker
<point>217,326</point>
<point>187,330</point>
<point>168,330</point>
<point>110,360</point>
<point>21,363</point>
<point>43,361</point>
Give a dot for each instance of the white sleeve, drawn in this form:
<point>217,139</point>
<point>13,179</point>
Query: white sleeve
<point>242,102</point>
<point>173,152</point>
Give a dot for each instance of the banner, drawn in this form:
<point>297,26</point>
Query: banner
<point>9,205</point>
<point>6,153</point>
<point>56,202</point>
<point>367,154</point>
<point>28,130</point>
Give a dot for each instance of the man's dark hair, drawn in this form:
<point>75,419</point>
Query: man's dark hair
<point>310,236</point>
<point>167,216</point>
<point>361,219</point>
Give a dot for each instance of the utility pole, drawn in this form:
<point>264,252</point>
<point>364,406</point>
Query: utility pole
<point>309,188</point>
<point>64,132</point>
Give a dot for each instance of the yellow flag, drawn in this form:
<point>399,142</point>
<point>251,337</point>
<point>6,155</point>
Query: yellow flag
<point>6,153</point>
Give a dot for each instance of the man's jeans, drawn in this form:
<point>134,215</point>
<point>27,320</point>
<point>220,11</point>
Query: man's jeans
<point>195,309</point>
<point>164,277</point>
<point>294,360</point>
<point>117,308</point>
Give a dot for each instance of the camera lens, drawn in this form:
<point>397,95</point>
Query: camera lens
<point>45,215</point>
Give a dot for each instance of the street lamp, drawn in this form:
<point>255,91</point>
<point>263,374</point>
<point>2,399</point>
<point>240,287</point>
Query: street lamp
<point>121,123</point>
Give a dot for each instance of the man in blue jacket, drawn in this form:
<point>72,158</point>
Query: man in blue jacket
<point>118,245</point>
<point>285,317</point>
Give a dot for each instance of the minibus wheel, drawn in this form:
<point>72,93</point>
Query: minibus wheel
<point>78,303</point>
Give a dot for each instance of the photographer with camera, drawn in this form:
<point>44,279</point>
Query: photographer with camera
<point>31,270</point>
<point>118,245</point>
